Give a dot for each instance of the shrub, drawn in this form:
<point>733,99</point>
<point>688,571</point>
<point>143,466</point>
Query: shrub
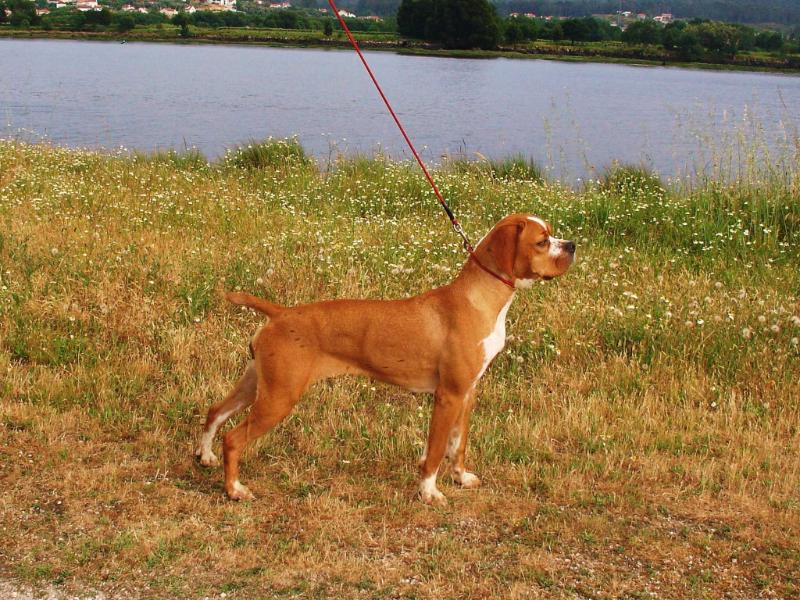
<point>625,180</point>
<point>270,154</point>
<point>516,168</point>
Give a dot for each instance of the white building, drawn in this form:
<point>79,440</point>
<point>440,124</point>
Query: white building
<point>224,4</point>
<point>87,5</point>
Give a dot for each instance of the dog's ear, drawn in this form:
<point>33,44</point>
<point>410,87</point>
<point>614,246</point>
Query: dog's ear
<point>504,247</point>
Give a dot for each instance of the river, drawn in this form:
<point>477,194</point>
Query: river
<point>573,118</point>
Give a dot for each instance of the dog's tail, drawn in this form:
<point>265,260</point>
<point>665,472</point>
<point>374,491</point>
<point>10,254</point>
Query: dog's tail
<point>259,304</point>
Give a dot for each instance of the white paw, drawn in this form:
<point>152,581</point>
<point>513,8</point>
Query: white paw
<point>207,458</point>
<point>467,480</point>
<point>433,497</point>
<point>240,492</point>
<point>428,492</point>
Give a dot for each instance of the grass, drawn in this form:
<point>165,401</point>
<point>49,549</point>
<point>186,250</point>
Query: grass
<point>638,436</point>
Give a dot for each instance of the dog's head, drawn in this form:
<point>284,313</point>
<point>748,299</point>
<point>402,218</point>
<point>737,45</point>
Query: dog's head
<point>522,247</point>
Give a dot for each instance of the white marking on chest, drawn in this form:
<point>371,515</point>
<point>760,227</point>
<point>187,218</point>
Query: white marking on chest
<point>496,340</point>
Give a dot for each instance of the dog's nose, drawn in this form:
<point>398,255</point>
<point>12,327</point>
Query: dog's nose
<point>569,247</point>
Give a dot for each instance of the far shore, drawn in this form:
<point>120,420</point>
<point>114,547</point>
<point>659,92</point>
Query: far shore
<point>642,56</point>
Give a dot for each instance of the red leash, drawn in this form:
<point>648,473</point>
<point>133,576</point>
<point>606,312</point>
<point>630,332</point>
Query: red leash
<point>456,225</point>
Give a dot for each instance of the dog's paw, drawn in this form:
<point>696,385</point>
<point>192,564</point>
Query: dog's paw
<point>430,495</point>
<point>435,498</point>
<point>207,459</point>
<point>467,480</point>
<point>239,492</point>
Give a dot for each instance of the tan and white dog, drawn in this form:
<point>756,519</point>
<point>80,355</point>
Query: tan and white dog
<point>439,342</point>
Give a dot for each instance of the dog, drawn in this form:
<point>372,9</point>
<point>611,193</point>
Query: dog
<point>439,342</point>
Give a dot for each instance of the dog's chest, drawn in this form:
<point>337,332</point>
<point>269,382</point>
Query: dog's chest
<point>493,343</point>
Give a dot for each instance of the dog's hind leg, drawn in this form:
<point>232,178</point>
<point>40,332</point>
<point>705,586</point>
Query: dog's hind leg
<point>240,398</point>
<point>270,408</point>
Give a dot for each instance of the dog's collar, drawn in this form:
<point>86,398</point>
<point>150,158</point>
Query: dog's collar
<point>509,282</point>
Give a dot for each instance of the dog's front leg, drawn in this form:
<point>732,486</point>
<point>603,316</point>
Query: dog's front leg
<point>447,406</point>
<point>457,445</point>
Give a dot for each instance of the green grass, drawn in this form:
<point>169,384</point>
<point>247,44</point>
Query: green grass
<point>639,433</point>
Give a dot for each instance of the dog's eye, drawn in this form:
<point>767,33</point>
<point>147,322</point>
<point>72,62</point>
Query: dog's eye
<point>543,243</point>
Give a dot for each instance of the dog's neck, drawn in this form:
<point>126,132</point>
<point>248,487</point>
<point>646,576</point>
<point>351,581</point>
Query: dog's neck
<point>488,294</point>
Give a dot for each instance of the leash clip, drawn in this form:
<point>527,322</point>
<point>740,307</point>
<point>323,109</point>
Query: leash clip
<point>465,240</point>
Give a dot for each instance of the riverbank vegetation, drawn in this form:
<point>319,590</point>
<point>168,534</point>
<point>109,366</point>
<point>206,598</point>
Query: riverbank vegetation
<point>638,436</point>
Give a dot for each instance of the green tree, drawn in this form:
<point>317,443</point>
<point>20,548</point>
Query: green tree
<point>747,37</point>
<point>328,27</point>
<point>688,44</point>
<point>643,32</point>
<point>575,30</point>
<point>455,23</point>
<point>722,38</point>
<point>530,29</point>
<point>671,35</point>
<point>3,12</point>
<point>182,21</point>
<point>23,13</point>
<point>513,33</point>
<point>553,30</point>
<point>466,24</point>
<point>20,20</point>
<point>125,22</point>
<point>413,17</point>
<point>103,18</point>
<point>600,30</point>
<point>588,29</point>
<point>771,41</point>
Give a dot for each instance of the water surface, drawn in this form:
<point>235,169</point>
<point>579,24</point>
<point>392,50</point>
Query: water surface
<point>573,117</point>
